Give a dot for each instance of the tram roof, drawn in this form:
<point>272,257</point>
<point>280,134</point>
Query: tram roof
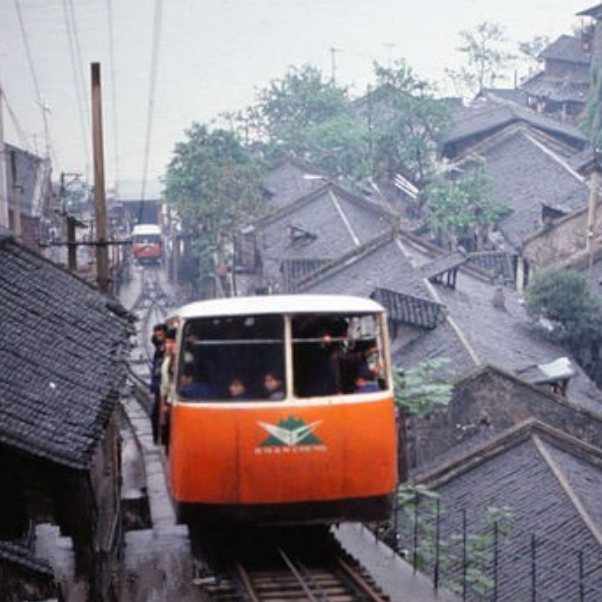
<point>146,229</point>
<point>279,304</point>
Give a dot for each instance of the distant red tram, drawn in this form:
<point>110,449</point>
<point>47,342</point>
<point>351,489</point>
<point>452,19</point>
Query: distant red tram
<point>147,243</point>
<point>323,450</point>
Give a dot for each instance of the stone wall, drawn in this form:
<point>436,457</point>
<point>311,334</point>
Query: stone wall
<point>562,241</point>
<point>485,405</point>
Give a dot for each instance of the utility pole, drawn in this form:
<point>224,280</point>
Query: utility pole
<point>333,66</point>
<point>17,193</point>
<point>3,195</point>
<point>592,172</point>
<point>102,255</point>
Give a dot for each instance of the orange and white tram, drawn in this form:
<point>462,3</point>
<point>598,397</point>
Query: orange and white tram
<point>147,243</point>
<point>323,449</point>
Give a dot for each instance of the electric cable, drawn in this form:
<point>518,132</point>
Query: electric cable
<point>44,108</point>
<point>112,70</point>
<point>151,101</point>
<point>78,75</point>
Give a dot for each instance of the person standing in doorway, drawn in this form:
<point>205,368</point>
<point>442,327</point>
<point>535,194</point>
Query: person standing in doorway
<point>158,340</point>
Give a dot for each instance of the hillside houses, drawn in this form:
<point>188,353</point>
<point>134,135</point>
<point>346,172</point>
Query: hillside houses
<point>30,196</point>
<point>315,228</point>
<point>464,307</point>
<point>63,352</point>
<point>532,166</point>
<point>528,500</point>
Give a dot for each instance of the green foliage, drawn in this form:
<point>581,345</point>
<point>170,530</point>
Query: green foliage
<point>532,49</point>
<point>486,57</point>
<point>562,299</point>
<point>419,509</point>
<point>463,206</point>
<point>307,116</point>
<point>591,121</point>
<point>423,387</point>
<point>213,184</point>
<point>410,123</point>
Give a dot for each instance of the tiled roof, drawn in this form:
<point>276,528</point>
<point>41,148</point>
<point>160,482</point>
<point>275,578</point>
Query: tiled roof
<point>551,485</point>
<point>558,89</point>
<point>335,222</point>
<point>23,557</point>
<point>528,174</point>
<point>594,11</point>
<point>492,327</point>
<point>568,49</point>
<point>498,264</point>
<point>441,343</point>
<point>495,324</point>
<point>294,270</point>
<point>481,122</point>
<point>515,96</point>
<point>379,263</point>
<point>407,309</point>
<point>290,181</point>
<point>442,264</point>
<point>62,352</point>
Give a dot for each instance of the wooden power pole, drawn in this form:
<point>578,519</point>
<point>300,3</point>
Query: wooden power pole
<point>102,249</point>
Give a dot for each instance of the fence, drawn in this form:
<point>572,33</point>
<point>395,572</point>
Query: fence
<point>490,558</point>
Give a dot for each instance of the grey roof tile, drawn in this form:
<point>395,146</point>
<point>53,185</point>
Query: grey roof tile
<point>551,484</point>
<point>568,49</point>
<point>492,324</point>
<point>63,354</point>
<point>482,121</point>
<point>334,222</point>
<point>526,177</point>
<point>290,181</point>
<point>22,556</point>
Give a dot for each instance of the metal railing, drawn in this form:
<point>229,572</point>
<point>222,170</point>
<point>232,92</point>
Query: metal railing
<point>490,558</point>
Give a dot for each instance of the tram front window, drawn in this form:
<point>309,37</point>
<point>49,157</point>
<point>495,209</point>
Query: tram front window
<point>329,352</point>
<point>233,356</point>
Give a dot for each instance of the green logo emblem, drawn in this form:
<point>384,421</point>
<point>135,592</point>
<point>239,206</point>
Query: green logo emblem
<point>291,432</point>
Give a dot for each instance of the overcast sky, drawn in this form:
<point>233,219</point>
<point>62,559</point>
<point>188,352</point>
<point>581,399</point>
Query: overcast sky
<point>212,56</point>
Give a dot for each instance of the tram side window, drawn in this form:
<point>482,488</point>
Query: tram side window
<point>220,351</point>
<point>330,352</point>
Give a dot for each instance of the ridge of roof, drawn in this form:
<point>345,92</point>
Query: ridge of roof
<point>23,556</point>
<point>328,187</point>
<point>521,432</point>
<point>566,487</point>
<point>502,115</point>
<point>339,263</point>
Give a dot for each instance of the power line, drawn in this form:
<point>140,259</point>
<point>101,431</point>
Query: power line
<point>44,108</point>
<point>78,73</point>
<point>18,128</point>
<point>113,89</point>
<point>151,100</point>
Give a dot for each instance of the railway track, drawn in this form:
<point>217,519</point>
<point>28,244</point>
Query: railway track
<point>151,305</point>
<point>260,565</point>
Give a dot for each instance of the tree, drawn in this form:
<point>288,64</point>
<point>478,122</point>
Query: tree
<point>421,388</point>
<point>486,57</point>
<point>591,121</point>
<point>417,392</point>
<point>560,300</point>
<point>532,49</point>
<point>410,123</point>
<point>307,116</point>
<point>213,184</point>
<point>463,208</point>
